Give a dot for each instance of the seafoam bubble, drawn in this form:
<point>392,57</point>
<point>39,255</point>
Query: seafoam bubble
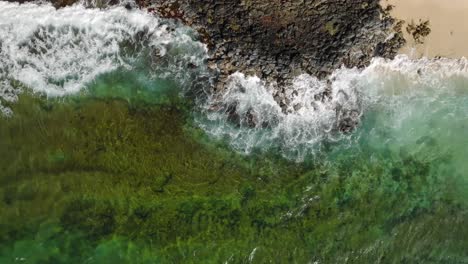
<point>58,52</point>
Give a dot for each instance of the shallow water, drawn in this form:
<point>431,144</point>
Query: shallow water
<point>112,152</point>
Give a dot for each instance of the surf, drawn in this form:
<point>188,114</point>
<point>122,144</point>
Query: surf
<point>61,52</point>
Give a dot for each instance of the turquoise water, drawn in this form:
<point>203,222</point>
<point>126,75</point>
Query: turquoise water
<point>138,163</point>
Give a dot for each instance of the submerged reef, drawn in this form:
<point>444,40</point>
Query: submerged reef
<point>104,180</point>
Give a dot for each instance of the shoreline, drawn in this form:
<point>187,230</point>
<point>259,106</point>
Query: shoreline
<point>449,34</point>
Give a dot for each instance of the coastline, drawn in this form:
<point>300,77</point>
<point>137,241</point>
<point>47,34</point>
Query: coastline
<point>449,34</point>
<point>118,148</point>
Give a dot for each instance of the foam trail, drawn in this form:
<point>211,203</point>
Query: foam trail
<point>321,112</point>
<point>58,52</point>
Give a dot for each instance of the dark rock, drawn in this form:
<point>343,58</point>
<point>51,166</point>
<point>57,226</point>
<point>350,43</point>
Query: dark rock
<point>277,37</point>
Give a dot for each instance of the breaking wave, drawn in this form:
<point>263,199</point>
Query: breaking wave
<point>58,52</point>
<point>311,114</point>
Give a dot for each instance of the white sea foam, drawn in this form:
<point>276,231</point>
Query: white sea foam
<point>57,52</point>
<point>250,117</point>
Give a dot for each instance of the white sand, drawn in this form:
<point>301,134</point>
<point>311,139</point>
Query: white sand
<point>448,22</point>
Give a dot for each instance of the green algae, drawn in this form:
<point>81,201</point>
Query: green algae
<point>129,179</point>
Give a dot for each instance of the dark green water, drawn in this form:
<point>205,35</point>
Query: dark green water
<point>131,170</point>
<point>93,179</point>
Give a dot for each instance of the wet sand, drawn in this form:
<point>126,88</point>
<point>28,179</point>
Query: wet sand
<point>448,23</point>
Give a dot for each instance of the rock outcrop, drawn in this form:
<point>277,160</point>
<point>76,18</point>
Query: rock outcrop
<point>279,39</point>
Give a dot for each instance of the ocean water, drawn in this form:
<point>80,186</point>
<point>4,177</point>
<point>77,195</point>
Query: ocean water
<point>114,150</point>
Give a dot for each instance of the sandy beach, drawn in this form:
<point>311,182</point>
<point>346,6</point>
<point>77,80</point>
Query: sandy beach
<point>449,33</point>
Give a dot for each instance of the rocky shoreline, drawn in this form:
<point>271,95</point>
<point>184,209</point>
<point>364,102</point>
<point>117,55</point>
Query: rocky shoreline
<point>280,39</point>
<point>277,40</point>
